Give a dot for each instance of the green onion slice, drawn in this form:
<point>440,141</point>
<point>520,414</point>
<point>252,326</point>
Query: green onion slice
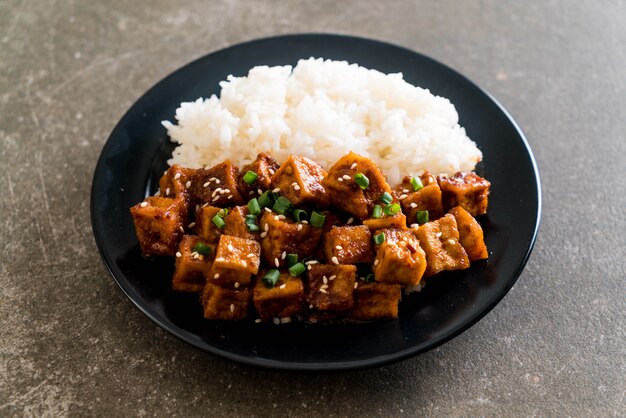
<point>266,200</point>
<point>377,212</point>
<point>317,219</point>
<point>201,248</point>
<point>270,278</point>
<point>391,210</point>
<point>219,221</point>
<point>300,215</point>
<point>297,269</point>
<point>386,198</point>
<point>223,213</point>
<point>292,259</point>
<point>422,217</point>
<point>416,183</point>
<point>379,238</point>
<point>362,180</point>
<point>251,223</point>
<point>253,207</point>
<point>282,205</point>
<point>250,177</point>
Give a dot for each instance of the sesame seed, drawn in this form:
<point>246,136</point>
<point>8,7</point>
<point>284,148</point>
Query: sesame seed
<point>276,190</point>
<point>350,221</point>
<point>178,254</point>
<point>294,184</point>
<point>438,234</point>
<point>296,187</point>
<point>191,225</point>
<point>333,277</point>
<point>324,286</point>
<point>217,181</point>
<point>224,191</point>
<point>311,262</point>
<point>177,176</point>
<point>334,260</point>
<point>276,262</point>
<point>414,225</point>
<point>250,255</point>
<point>232,307</point>
<point>283,255</point>
<point>268,210</point>
<point>282,217</point>
<point>244,263</point>
<point>323,290</point>
<point>220,259</point>
<point>285,320</point>
<point>276,218</point>
<point>356,285</point>
<point>217,276</point>
<point>282,286</point>
<point>311,306</point>
<point>237,285</point>
<point>259,191</point>
<point>266,227</point>
<point>376,262</point>
<point>345,177</point>
<point>339,247</point>
<point>204,205</point>
<point>230,247</point>
<point>353,166</point>
<point>195,255</point>
<point>451,242</point>
<point>405,190</point>
<point>325,280</point>
<point>402,196</point>
<point>276,321</point>
<point>272,172</point>
<point>230,196</point>
<point>299,227</point>
<point>413,205</point>
<point>257,321</point>
<point>206,184</point>
<point>250,193</point>
<point>144,204</point>
<point>263,234</point>
<point>339,179</point>
<point>188,184</point>
<point>167,191</point>
<point>305,222</point>
<point>216,198</point>
<point>181,228</point>
<point>308,267</point>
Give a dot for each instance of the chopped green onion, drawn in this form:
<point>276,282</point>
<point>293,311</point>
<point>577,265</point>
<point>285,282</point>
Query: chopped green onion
<point>379,238</point>
<point>253,207</point>
<point>377,212</point>
<point>362,180</point>
<point>223,213</point>
<point>282,205</point>
<point>266,200</point>
<point>386,198</point>
<point>219,221</point>
<point>250,177</point>
<point>422,217</point>
<point>292,259</point>
<point>369,278</point>
<point>416,183</point>
<point>317,219</point>
<point>201,249</point>
<point>251,223</point>
<point>297,269</point>
<point>391,210</point>
<point>270,278</point>
<point>300,215</point>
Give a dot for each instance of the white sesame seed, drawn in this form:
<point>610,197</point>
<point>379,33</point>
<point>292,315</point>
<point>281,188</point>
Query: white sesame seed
<point>263,234</point>
<point>206,184</point>
<point>244,263</point>
<point>353,166</point>
<point>220,259</point>
<point>324,286</point>
<point>415,225</point>
<point>217,276</point>
<point>259,191</point>
<point>224,191</point>
<point>285,320</point>
<point>230,247</point>
<point>333,277</point>
<point>339,179</point>
<point>276,190</point>
<point>237,285</point>
<point>308,267</point>
<point>167,191</point>
<point>311,306</point>
<point>257,321</point>
<point>356,285</point>
<point>350,221</point>
<point>299,227</point>
<point>296,187</point>
<point>276,262</point>
<point>195,255</point>
<point>345,177</point>
<point>216,198</point>
<point>276,321</point>
<point>323,290</point>
<point>188,184</point>
<point>250,193</point>
<point>294,184</point>
<point>282,217</point>
<point>283,255</point>
<point>405,190</point>
<point>230,196</point>
<point>376,262</point>
<point>311,262</point>
<point>178,254</point>
<point>250,255</point>
<point>266,227</point>
<point>272,172</point>
<point>181,228</point>
<point>144,204</point>
<point>276,218</point>
<point>402,196</point>
<point>438,234</point>
<point>177,176</point>
<point>334,260</point>
<point>305,222</point>
<point>232,307</point>
<point>268,210</point>
<point>339,247</point>
<point>325,280</point>
<point>451,242</point>
<point>191,225</point>
<point>413,205</point>
<point>282,286</point>
<point>217,181</point>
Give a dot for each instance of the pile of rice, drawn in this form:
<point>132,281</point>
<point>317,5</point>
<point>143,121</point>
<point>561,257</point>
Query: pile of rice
<point>322,110</point>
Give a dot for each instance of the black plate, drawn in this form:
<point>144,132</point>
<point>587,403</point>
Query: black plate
<point>135,156</point>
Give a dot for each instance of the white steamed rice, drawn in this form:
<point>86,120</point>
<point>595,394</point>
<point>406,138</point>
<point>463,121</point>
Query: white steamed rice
<point>322,110</point>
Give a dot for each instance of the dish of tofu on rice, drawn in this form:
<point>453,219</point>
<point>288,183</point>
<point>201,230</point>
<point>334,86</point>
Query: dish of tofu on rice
<point>278,243</point>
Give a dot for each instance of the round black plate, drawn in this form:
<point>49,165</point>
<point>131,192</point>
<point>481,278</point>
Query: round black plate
<point>135,156</point>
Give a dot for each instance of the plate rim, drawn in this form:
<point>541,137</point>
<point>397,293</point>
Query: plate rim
<point>377,361</point>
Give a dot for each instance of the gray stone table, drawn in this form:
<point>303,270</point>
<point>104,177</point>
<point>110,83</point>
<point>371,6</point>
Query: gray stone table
<point>72,344</point>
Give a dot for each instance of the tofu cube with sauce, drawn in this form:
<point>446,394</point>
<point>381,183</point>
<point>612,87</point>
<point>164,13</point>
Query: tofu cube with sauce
<point>192,268</point>
<point>236,260</point>
<point>236,224</point>
<point>226,304</point>
<point>376,301</point>
<point>470,233</point>
<point>399,259</point>
<point>177,182</point>
<point>349,245</point>
<point>159,224</point>
<point>346,193</point>
<point>205,228</point>
<point>285,299</point>
<point>300,180</point>
<point>467,190</point>
<point>440,241</point>
<point>264,166</point>
<point>397,221</point>
<point>281,236</point>
<point>331,287</point>
<point>427,198</point>
<point>217,185</point>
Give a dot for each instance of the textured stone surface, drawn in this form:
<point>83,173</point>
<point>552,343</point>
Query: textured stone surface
<point>70,341</point>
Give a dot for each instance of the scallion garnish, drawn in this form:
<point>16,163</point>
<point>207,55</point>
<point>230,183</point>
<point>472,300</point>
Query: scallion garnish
<point>270,278</point>
<point>250,177</point>
<point>416,183</point>
<point>201,248</point>
<point>219,221</point>
<point>297,269</point>
<point>282,205</point>
<point>386,198</point>
<point>251,223</point>
<point>253,207</point>
<point>292,259</point>
<point>377,212</point>
<point>362,180</point>
<point>223,213</point>
<point>379,238</point>
<point>422,217</point>
<point>266,200</point>
<point>317,219</point>
<point>300,215</point>
<point>391,210</point>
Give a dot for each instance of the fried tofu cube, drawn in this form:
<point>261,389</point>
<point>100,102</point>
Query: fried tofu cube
<point>376,301</point>
<point>427,198</point>
<point>470,233</point>
<point>264,166</point>
<point>236,224</point>
<point>177,182</point>
<point>226,304</point>
<point>205,228</point>
<point>285,299</point>
<point>349,245</point>
<point>300,180</point>
<point>440,241</point>
<point>399,259</point>
<point>331,287</point>
<point>346,194</point>
<point>217,185</point>
<point>236,260</point>
<point>285,236</point>
<point>159,224</point>
<point>397,221</point>
<point>466,190</point>
<point>191,268</point>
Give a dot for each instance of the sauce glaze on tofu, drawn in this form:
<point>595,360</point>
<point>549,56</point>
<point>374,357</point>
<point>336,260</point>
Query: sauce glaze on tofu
<point>296,242</point>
